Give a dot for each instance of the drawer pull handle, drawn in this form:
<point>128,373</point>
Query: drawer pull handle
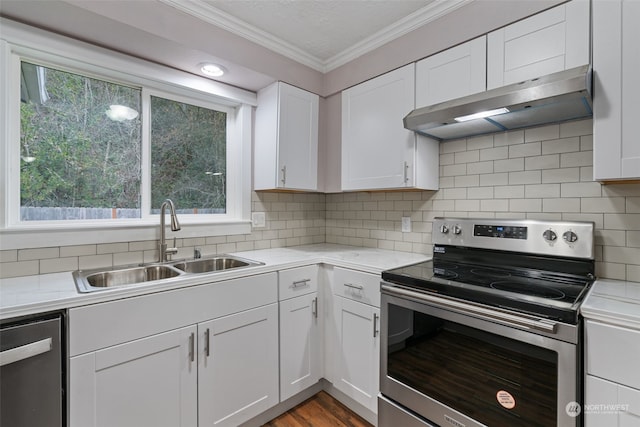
<point>300,283</point>
<point>26,351</point>
<point>314,307</point>
<point>352,286</point>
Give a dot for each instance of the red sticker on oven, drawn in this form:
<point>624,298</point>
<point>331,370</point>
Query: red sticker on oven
<point>505,399</point>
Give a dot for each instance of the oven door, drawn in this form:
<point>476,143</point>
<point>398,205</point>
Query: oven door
<point>455,368</point>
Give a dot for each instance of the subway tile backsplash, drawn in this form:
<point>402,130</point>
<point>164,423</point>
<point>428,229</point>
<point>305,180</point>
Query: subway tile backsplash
<point>540,173</point>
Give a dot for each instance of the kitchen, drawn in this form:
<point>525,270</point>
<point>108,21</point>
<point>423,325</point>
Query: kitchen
<point>541,173</point>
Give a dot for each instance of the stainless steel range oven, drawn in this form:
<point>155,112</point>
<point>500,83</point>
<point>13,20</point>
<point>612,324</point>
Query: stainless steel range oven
<point>488,332</point>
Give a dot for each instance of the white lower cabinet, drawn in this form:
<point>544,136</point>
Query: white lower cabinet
<point>151,381</point>
<point>612,383</point>
<point>300,351</point>
<point>300,330</point>
<point>200,356</point>
<point>357,361</point>
<point>237,366</point>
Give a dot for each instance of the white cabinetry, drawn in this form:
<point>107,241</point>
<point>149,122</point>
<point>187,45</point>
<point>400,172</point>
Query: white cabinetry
<point>286,139</point>
<point>193,356</point>
<point>300,332</point>
<point>377,151</point>
<point>454,73</point>
<point>356,346</point>
<point>238,366</point>
<point>150,381</point>
<point>612,391</point>
<point>551,41</point>
<point>616,66</point>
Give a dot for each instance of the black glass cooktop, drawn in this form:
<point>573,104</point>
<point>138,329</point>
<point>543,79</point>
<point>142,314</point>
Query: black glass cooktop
<point>551,294</point>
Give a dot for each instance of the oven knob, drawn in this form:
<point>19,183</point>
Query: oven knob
<point>569,236</point>
<point>444,229</point>
<point>549,235</point>
<point>456,229</point>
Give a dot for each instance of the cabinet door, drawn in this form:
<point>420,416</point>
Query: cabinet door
<point>147,382</point>
<point>608,404</point>
<point>357,351</point>
<point>616,65</point>
<point>377,151</point>
<point>298,138</point>
<point>454,73</point>
<point>286,142</point>
<point>238,366</point>
<point>551,41</point>
<point>300,351</point>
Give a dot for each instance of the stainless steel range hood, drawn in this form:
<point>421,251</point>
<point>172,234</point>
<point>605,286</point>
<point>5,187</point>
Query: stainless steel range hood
<point>554,98</point>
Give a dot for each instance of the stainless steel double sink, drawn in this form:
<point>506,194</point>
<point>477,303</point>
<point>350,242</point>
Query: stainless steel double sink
<point>101,279</point>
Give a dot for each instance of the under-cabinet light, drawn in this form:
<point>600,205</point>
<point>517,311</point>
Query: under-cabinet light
<point>481,115</point>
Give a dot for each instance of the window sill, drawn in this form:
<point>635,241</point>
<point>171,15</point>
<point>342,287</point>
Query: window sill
<point>42,236</point>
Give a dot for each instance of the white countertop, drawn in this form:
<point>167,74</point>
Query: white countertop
<point>615,302</point>
<point>38,294</point>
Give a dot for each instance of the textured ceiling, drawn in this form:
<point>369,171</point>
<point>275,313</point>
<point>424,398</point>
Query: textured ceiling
<point>321,34</point>
<point>321,28</point>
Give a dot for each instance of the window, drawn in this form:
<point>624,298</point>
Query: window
<point>94,140</point>
<point>80,147</point>
<point>188,156</point>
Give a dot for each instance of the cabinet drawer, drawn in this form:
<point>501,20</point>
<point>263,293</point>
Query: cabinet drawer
<point>358,286</point>
<point>612,353</point>
<point>297,281</point>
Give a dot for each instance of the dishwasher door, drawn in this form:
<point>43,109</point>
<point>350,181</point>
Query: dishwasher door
<point>31,390</point>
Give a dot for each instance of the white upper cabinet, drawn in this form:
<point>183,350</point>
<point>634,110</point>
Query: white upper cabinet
<point>377,151</point>
<point>286,139</point>
<point>451,74</point>
<point>616,68</point>
<point>551,41</point>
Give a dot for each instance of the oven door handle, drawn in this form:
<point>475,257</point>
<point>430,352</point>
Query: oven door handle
<point>474,310</point>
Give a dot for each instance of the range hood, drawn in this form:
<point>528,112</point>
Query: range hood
<point>557,97</point>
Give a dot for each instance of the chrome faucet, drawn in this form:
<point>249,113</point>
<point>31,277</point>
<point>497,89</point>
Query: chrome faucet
<point>175,226</point>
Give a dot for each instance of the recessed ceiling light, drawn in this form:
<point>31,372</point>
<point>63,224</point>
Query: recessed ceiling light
<point>212,70</point>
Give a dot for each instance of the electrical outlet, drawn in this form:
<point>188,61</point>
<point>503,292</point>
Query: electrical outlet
<point>406,224</point>
<point>258,219</point>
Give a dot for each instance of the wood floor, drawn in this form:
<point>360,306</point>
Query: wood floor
<point>321,410</point>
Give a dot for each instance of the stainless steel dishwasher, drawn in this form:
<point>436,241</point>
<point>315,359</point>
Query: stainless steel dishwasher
<point>31,369</point>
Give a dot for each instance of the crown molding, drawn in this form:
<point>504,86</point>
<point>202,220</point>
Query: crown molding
<point>405,25</point>
<point>221,19</point>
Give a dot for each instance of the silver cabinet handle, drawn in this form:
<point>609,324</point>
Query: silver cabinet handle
<point>284,174</point>
<point>352,286</point>
<point>299,283</point>
<point>406,172</point>
<point>207,348</point>
<point>25,351</point>
<point>314,307</point>
<point>375,324</point>
<point>192,353</point>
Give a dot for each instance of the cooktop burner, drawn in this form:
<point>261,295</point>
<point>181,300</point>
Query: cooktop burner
<point>540,291</point>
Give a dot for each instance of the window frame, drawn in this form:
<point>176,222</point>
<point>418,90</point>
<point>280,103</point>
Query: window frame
<point>20,42</point>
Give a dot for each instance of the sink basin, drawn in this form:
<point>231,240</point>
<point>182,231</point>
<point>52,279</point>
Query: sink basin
<point>208,265</point>
<point>92,280</point>
<point>95,280</point>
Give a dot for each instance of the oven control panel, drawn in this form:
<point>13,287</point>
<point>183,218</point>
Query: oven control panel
<point>559,238</point>
<point>500,231</point>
